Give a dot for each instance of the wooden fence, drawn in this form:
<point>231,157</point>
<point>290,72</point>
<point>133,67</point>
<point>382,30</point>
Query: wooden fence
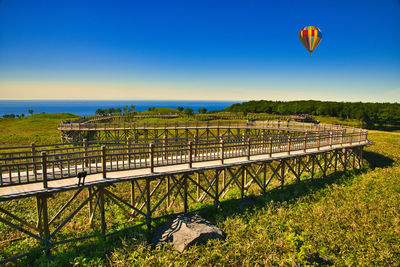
<point>28,164</point>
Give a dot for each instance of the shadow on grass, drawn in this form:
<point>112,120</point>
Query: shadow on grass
<point>376,160</point>
<point>94,251</point>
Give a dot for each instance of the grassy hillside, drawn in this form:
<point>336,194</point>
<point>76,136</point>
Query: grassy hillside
<point>348,218</point>
<point>39,128</point>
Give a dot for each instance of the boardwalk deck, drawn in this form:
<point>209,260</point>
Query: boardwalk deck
<point>32,189</point>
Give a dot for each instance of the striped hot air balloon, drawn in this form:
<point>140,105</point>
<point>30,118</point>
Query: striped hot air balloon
<point>310,37</point>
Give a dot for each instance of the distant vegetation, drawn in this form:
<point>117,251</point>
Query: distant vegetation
<point>371,114</point>
<point>150,110</point>
<point>348,218</point>
<point>39,128</point>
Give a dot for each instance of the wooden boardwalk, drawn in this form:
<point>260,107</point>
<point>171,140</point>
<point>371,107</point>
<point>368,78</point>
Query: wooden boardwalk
<point>54,186</point>
<point>161,178</point>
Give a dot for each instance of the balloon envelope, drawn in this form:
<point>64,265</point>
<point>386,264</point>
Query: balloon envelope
<point>310,37</point>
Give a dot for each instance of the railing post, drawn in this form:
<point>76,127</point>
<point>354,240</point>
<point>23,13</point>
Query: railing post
<point>248,148</point>
<point>44,169</point>
<point>262,142</point>
<point>104,161</point>
<point>195,145</point>
<point>33,149</point>
<point>33,159</point>
<point>318,141</point>
<point>341,138</point>
<point>128,145</point>
<point>190,154</point>
<point>165,140</point>
<point>151,157</point>
<point>85,147</point>
<point>359,138</point>
<point>289,143</point>
<point>270,146</point>
<point>305,142</point>
<point>221,150</point>
<point>330,139</point>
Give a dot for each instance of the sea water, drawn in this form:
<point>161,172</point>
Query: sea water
<point>89,107</point>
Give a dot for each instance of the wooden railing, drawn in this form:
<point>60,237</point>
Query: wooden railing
<point>276,125</point>
<point>221,116</point>
<point>27,164</point>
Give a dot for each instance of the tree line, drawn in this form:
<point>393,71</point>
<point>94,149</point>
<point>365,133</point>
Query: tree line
<point>131,109</point>
<point>13,116</point>
<point>369,113</point>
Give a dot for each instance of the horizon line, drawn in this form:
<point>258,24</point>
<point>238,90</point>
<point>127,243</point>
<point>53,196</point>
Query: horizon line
<point>198,100</point>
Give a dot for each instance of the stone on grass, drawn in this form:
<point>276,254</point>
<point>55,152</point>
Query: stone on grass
<point>185,231</point>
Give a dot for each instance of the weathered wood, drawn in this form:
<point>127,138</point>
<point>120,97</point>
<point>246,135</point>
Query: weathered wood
<point>44,169</point>
<point>151,157</point>
<point>102,211</point>
<point>45,225</point>
<point>103,161</point>
<point>190,154</point>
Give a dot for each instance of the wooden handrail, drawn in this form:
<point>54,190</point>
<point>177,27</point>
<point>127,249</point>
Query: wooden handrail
<point>161,153</point>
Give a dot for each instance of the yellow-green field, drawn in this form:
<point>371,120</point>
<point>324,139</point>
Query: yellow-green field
<point>350,218</point>
<point>39,128</point>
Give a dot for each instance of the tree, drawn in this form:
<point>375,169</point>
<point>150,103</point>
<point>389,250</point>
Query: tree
<point>30,111</point>
<point>9,116</point>
<point>131,108</point>
<point>118,110</point>
<point>202,110</point>
<point>189,111</point>
<point>100,112</point>
<point>125,109</point>
<point>110,110</point>
<point>22,115</point>
<point>180,109</point>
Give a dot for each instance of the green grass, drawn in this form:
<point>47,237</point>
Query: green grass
<point>347,219</point>
<point>39,128</point>
<point>160,111</point>
<point>350,218</point>
<point>336,120</point>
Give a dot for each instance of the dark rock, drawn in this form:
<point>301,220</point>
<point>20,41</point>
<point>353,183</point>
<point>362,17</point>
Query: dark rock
<point>186,230</point>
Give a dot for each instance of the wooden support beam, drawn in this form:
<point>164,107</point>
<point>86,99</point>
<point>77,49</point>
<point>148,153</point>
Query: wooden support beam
<point>102,211</point>
<point>45,224</point>
<point>282,173</point>
<point>185,194</point>
<point>243,182</point>
<point>132,195</point>
<point>148,205</point>
<point>216,199</point>
<point>20,220</point>
<point>66,205</point>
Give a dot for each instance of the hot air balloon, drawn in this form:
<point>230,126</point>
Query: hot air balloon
<point>310,37</point>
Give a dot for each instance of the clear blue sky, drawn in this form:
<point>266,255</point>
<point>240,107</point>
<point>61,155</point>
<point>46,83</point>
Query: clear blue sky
<point>231,50</point>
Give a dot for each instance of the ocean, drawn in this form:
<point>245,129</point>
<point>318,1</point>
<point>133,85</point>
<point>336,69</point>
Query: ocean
<point>89,107</point>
